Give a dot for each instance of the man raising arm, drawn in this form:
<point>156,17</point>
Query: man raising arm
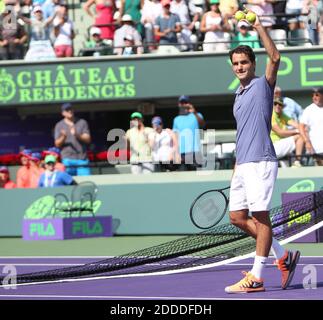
<point>256,166</point>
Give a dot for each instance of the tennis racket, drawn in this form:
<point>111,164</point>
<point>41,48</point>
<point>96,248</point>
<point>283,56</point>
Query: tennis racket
<point>208,209</point>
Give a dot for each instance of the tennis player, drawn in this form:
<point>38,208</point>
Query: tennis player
<point>256,163</point>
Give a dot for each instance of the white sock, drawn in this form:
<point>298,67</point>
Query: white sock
<point>277,250</point>
<point>258,266</point>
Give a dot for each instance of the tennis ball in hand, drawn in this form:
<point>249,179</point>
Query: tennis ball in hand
<point>251,17</point>
<point>240,15</point>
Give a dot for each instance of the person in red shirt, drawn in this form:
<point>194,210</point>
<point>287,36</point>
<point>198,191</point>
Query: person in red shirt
<point>23,173</point>
<point>5,181</point>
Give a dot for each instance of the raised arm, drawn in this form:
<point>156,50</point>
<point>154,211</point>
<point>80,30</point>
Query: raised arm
<point>87,7</point>
<point>50,19</point>
<point>273,53</point>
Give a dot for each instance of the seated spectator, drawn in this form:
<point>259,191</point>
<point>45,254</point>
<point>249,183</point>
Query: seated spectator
<point>127,28</point>
<point>311,125</point>
<point>295,7</point>
<point>99,46</point>
<point>149,13</point>
<point>215,27</point>
<point>35,169</point>
<point>184,10</point>
<point>285,141</point>
<point>12,39</point>
<point>291,108</point>
<point>129,46</point>
<point>22,176</point>
<point>164,145</point>
<point>52,177</point>
<point>167,25</point>
<point>64,32</point>
<point>244,37</point>
<point>56,152</point>
<point>104,16</point>
<point>5,181</point>
<point>138,144</point>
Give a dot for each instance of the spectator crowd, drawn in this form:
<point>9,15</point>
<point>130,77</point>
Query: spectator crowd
<point>44,28</point>
<point>296,135</point>
<point>126,27</point>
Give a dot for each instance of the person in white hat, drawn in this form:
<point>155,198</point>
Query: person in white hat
<point>127,29</point>
<point>95,31</point>
<point>96,43</point>
<point>133,8</point>
<point>129,47</point>
<point>40,27</point>
<point>245,37</point>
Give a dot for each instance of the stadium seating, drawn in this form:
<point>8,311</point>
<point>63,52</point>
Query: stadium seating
<point>299,37</point>
<point>280,37</point>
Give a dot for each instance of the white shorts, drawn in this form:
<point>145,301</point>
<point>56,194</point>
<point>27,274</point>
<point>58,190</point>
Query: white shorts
<point>252,186</point>
<point>284,146</point>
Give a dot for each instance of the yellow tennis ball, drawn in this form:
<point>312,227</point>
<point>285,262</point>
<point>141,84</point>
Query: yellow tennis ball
<point>239,15</point>
<point>251,17</point>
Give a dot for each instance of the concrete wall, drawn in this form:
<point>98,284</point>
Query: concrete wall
<point>148,204</point>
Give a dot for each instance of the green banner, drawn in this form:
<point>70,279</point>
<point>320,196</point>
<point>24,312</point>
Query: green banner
<point>147,77</point>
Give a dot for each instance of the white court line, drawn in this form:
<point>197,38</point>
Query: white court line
<point>126,297</point>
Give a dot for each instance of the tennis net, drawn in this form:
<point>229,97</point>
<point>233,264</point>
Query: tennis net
<point>214,246</point>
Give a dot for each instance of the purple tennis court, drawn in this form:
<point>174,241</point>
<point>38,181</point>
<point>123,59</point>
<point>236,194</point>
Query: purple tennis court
<point>200,284</point>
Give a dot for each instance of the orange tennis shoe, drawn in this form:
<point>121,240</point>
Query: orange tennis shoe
<point>247,285</point>
<point>287,265</point>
